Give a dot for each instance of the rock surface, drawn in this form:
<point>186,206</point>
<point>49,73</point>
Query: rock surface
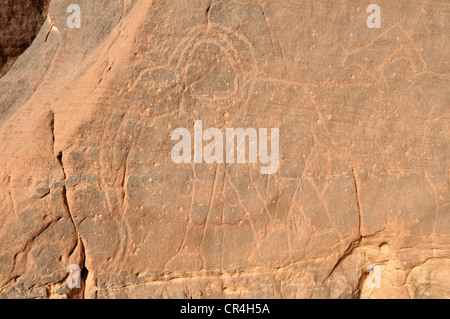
<point>86,176</point>
<point>20,22</point>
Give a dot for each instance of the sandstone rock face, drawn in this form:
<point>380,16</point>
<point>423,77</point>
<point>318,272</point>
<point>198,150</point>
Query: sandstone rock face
<point>87,179</point>
<point>20,22</point>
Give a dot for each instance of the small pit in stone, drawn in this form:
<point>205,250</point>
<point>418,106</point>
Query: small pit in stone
<point>384,249</point>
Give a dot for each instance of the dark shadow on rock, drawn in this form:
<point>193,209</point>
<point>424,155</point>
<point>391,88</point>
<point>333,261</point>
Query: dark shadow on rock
<point>20,22</point>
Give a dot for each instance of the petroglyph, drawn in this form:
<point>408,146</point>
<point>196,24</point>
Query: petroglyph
<point>87,176</point>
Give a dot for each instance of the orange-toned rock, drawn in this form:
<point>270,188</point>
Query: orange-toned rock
<point>87,179</point>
